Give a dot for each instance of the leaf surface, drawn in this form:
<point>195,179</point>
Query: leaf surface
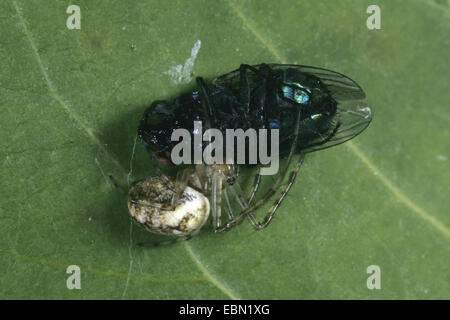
<point>71,101</point>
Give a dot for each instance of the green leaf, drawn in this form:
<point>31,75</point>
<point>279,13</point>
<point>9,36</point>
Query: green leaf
<point>71,101</point>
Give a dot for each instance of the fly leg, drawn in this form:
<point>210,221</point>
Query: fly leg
<point>208,108</point>
<point>244,86</point>
<point>255,187</point>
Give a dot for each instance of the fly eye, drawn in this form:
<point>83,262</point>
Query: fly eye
<point>295,93</point>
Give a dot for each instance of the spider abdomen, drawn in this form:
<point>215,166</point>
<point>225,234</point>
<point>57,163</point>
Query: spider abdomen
<point>150,206</point>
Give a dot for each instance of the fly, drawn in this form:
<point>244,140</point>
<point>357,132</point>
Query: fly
<point>313,109</point>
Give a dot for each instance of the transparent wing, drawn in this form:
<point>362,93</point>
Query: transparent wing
<point>341,87</point>
<point>351,119</point>
<point>353,114</point>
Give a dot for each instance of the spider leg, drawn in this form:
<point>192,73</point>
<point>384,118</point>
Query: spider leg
<point>271,212</point>
<point>216,198</point>
<point>181,183</point>
<point>238,218</point>
<point>177,187</point>
<point>293,175</point>
<point>239,198</point>
<point>227,200</point>
<point>269,215</point>
<point>239,195</point>
<point>169,184</point>
<point>255,187</point>
<point>156,164</point>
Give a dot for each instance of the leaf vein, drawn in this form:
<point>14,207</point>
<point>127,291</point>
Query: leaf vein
<point>209,276</point>
<point>57,97</point>
<point>114,274</point>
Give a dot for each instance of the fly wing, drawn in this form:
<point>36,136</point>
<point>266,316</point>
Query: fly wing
<point>340,86</point>
<point>353,114</point>
<point>351,119</point>
<point>231,82</point>
<point>226,79</point>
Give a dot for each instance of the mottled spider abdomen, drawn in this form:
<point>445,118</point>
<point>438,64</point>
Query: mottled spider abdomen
<point>149,203</point>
